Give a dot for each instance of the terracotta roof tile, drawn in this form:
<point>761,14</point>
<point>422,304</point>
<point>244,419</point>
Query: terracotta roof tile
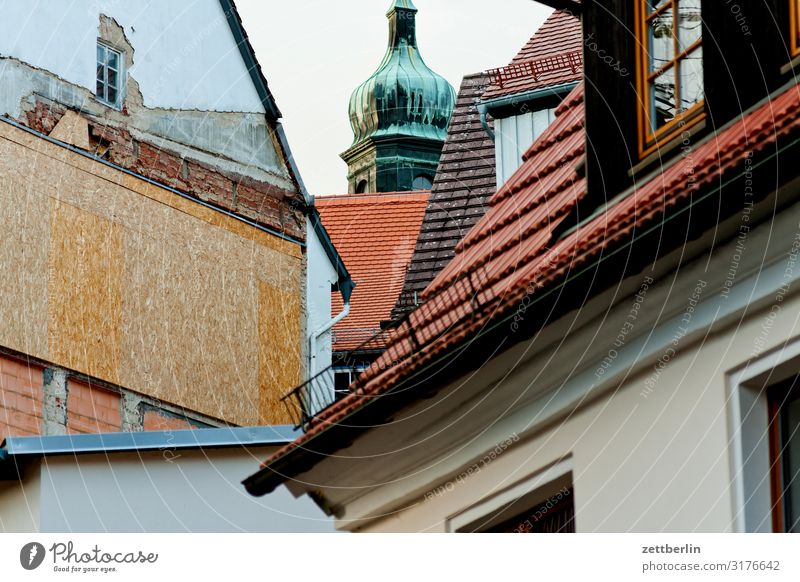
<point>513,255</point>
<point>375,236</point>
<point>465,180</point>
<point>559,37</point>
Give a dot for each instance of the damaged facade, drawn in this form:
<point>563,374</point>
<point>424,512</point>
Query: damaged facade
<point>164,262</point>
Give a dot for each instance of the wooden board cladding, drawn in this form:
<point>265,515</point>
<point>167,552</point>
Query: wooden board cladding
<point>116,278</point>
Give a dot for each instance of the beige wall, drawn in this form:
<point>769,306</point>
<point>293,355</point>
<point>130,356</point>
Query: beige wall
<point>118,279</point>
<point>20,502</point>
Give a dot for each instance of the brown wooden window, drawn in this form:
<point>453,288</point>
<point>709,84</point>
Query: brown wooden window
<point>670,69</point>
<point>794,17</point>
<point>784,410</point>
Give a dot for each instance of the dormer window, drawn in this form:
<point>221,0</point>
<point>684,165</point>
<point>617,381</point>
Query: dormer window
<point>109,75</point>
<point>670,66</point>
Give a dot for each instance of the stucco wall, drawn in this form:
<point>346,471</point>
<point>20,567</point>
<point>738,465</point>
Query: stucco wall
<point>186,57</point>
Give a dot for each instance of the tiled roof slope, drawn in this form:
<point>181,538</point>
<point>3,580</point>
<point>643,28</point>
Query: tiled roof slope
<point>464,182</point>
<point>560,34</point>
<point>375,236</point>
<point>510,245</point>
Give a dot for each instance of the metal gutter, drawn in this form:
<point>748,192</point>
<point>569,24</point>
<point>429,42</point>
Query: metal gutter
<point>99,160</point>
<point>204,438</point>
<point>345,282</point>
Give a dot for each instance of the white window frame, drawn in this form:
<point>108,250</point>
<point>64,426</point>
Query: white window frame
<point>537,487</point>
<point>120,76</point>
<point>748,413</point>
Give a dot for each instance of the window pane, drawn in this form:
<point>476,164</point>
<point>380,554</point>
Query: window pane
<point>662,97</point>
<point>691,69</point>
<point>113,59</point>
<point>653,5</point>
<point>112,79</point>
<point>791,465</point>
<point>101,55</point>
<point>689,23</point>
<point>112,95</point>
<point>100,72</point>
<point>100,89</point>
<point>662,41</point>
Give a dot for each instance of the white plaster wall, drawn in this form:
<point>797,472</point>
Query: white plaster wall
<point>167,491</point>
<point>514,136</point>
<point>185,56</point>
<point>321,275</point>
<point>643,460</point>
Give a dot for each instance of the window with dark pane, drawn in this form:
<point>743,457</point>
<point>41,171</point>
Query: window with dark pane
<point>671,77</point>
<point>794,14</point>
<point>108,75</point>
<point>785,453</point>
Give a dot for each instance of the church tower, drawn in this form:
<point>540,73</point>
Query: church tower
<point>399,115</point>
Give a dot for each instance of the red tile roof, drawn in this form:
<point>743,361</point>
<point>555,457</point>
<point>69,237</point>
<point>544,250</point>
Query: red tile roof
<point>511,243</point>
<point>549,58</point>
<point>465,180</point>
<point>375,235</point>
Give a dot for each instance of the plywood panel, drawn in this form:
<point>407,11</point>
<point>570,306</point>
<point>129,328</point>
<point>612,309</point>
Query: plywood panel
<point>85,303</point>
<point>279,352</point>
<point>120,279</point>
<point>24,244</point>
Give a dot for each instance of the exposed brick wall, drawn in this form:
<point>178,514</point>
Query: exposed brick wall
<point>20,398</point>
<point>261,202</point>
<point>154,420</point>
<point>91,409</point>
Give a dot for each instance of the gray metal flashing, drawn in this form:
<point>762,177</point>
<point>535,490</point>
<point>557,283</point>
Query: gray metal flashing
<point>99,160</point>
<point>203,438</point>
<point>528,96</point>
<point>250,61</point>
<point>345,282</point>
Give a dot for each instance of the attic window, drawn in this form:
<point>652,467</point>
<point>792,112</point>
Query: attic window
<point>670,69</point>
<point>109,74</point>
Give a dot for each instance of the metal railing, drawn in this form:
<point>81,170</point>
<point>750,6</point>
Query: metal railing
<point>464,299</point>
<point>536,68</point>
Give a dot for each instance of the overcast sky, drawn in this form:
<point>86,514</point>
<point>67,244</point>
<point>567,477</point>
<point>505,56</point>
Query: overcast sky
<point>316,52</point>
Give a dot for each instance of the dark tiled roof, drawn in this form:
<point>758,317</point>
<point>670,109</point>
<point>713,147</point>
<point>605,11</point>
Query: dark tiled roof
<point>375,236</point>
<point>464,182</point>
<point>511,245</point>
<point>560,35</point>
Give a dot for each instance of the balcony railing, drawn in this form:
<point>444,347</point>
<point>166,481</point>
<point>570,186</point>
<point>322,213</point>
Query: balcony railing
<point>538,68</point>
<point>305,402</point>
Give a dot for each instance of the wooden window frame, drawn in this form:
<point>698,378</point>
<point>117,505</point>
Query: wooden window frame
<point>778,397</point>
<point>794,26</point>
<point>650,141</point>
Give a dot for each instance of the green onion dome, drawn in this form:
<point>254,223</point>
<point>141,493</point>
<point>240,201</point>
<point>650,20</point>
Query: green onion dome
<point>403,97</point>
